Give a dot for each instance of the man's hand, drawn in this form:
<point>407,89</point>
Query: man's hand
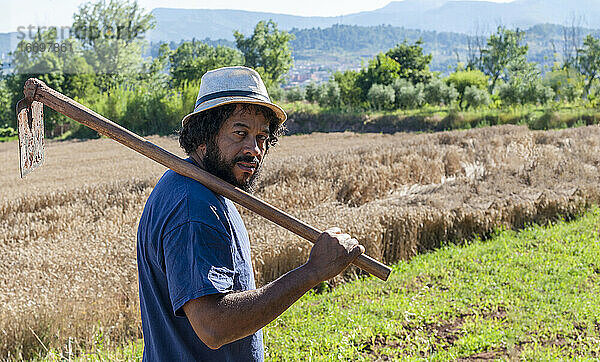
<point>332,253</point>
<point>223,318</point>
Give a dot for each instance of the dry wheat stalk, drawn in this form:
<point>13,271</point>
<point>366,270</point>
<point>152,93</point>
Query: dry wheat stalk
<point>68,268</point>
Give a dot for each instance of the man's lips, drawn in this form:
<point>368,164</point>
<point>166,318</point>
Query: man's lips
<point>247,166</point>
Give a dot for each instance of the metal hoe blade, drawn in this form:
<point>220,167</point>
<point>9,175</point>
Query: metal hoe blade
<point>30,120</point>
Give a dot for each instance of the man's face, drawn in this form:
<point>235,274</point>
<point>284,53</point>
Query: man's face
<point>238,149</point>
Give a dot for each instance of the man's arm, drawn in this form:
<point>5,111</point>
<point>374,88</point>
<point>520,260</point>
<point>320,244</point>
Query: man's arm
<point>219,319</point>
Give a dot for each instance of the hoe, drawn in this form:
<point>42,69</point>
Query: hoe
<point>30,117</point>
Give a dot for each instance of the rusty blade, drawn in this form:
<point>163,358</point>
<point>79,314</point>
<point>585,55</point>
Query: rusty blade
<point>30,122</point>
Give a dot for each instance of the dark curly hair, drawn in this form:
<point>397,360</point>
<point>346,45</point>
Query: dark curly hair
<point>203,127</point>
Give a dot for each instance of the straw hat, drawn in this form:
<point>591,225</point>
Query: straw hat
<point>233,85</point>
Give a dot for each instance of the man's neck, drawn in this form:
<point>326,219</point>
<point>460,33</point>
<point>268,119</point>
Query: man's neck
<point>194,155</point>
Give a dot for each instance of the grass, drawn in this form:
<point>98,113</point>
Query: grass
<point>309,117</point>
<point>531,295</point>
<point>9,138</point>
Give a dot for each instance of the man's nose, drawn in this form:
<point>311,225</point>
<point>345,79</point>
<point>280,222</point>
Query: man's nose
<point>252,148</point>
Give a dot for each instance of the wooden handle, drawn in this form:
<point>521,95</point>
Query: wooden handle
<point>39,91</point>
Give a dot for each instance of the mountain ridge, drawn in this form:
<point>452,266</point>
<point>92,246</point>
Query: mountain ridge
<point>460,16</point>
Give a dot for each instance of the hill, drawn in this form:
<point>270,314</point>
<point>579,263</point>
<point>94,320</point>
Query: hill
<point>345,46</point>
<point>436,15</point>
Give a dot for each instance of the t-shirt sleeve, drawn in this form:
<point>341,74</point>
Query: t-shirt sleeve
<point>198,262</point>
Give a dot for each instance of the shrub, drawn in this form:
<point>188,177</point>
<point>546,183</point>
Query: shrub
<point>549,120</point>
<point>6,108</point>
<point>408,96</point>
<point>476,97</point>
<point>294,94</point>
<point>381,96</point>
<point>312,92</point>
<point>330,95</point>
<point>519,91</point>
<point>462,79</point>
<point>7,132</point>
<point>438,92</point>
<point>508,93</point>
<point>541,94</point>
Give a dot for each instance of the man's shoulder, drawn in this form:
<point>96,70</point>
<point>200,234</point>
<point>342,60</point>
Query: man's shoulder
<point>175,188</point>
<point>181,199</point>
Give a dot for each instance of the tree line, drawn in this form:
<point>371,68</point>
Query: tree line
<point>105,70</point>
<point>101,65</point>
<point>497,74</point>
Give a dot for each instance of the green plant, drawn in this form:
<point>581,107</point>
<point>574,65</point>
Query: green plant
<point>439,92</point>
<point>476,97</point>
<point>462,79</point>
<point>295,94</point>
<point>8,132</point>
<point>408,95</point>
<point>381,96</point>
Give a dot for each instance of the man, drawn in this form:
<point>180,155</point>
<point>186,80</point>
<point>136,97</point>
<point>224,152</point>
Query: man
<point>198,298</point>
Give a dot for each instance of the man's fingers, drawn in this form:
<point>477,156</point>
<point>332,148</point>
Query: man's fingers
<point>343,237</point>
<point>349,243</point>
<point>359,249</point>
<point>356,249</point>
<point>334,230</point>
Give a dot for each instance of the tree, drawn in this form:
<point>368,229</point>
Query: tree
<point>116,20</point>
<point>525,86</point>
<point>476,97</point>
<point>566,83</point>
<point>475,45</point>
<point>503,48</point>
<point>404,61</point>
<point>461,79</point>
<point>66,71</point>
<point>571,41</point>
<point>439,92</point>
<point>192,59</point>
<point>380,70</point>
<point>112,37</point>
<point>588,61</point>
<point>312,92</point>
<point>414,65</point>
<point>6,111</point>
<point>381,96</point>
<point>157,69</point>
<point>350,91</point>
<point>330,95</point>
<point>295,94</point>
<point>267,51</point>
<point>408,95</point>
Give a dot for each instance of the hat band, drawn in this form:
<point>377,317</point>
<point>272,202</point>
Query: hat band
<point>232,93</point>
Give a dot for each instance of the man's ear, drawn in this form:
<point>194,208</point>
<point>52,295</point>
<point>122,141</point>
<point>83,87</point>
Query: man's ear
<point>201,150</point>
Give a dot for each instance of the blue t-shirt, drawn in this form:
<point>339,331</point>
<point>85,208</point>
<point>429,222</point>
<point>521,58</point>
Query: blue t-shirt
<point>191,242</point>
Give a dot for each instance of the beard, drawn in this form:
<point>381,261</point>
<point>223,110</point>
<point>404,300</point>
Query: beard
<point>216,164</point>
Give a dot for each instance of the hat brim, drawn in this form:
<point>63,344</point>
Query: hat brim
<point>279,112</point>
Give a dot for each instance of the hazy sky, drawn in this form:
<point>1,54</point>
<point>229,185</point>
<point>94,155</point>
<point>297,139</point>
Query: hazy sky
<point>56,13</point>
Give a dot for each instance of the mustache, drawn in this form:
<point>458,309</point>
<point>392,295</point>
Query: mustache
<point>247,159</point>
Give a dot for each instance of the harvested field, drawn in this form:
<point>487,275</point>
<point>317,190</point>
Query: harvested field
<point>68,270</point>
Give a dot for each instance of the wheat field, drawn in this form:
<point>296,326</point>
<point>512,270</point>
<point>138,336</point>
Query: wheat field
<point>68,276</point>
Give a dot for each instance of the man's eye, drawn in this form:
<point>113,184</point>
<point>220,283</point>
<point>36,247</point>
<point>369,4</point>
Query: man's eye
<point>241,133</point>
<point>263,137</point>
